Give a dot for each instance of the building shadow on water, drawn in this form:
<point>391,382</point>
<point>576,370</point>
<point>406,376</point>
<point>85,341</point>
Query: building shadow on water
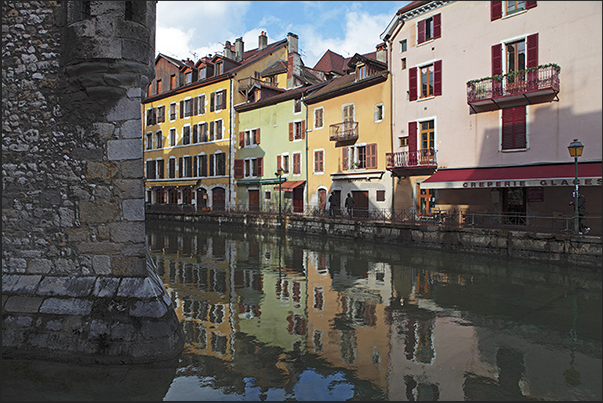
<point>45,380</point>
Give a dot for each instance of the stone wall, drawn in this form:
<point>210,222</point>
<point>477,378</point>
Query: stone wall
<point>559,249</point>
<point>73,236</point>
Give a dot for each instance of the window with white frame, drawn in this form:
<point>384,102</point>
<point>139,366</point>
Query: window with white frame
<point>159,168</point>
<point>252,167</point>
<point>186,135</point>
<point>188,108</point>
<point>159,139</point>
<point>172,137</point>
<point>172,167</point>
<point>379,112</point>
<point>319,157</point>
<point>218,134</point>
<point>298,131</point>
<point>220,159</point>
<point>403,45</point>
<point>251,137</point>
<point>319,118</point>
<point>297,163</point>
<point>173,112</point>
<point>297,105</point>
<point>149,141</point>
<point>201,104</point>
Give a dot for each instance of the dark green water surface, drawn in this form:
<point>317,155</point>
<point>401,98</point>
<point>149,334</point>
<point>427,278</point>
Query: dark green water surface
<point>275,317</point>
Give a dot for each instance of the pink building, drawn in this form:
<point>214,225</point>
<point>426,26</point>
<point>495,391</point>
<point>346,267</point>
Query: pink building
<point>486,98</point>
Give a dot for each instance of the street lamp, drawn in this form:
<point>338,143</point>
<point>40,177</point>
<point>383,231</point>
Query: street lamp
<point>575,149</point>
<point>279,173</point>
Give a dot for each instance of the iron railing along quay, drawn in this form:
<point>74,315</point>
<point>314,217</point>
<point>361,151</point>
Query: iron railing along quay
<point>448,218</point>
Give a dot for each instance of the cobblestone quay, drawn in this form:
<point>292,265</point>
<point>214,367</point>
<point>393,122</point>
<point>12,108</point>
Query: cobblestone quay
<point>76,282</point>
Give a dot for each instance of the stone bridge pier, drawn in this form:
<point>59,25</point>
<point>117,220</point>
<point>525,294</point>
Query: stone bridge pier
<point>76,281</point>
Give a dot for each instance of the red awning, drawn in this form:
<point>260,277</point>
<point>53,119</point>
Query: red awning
<point>549,175</point>
<point>288,186</point>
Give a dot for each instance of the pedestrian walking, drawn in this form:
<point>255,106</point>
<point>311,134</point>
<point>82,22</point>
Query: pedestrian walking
<point>332,201</point>
<point>349,204</point>
<point>582,228</point>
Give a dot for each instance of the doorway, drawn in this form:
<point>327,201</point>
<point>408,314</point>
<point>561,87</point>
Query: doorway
<point>254,200</point>
<point>322,200</point>
<point>514,206</point>
<point>218,199</point>
<point>201,199</point>
<point>426,200</point>
<point>361,203</point>
<point>298,199</point>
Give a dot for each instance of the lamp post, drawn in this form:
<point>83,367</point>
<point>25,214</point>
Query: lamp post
<point>575,149</point>
<point>279,173</point>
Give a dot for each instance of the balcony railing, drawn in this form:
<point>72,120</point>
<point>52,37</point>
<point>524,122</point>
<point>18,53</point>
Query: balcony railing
<point>343,131</point>
<point>247,83</point>
<point>408,159</point>
<point>534,85</point>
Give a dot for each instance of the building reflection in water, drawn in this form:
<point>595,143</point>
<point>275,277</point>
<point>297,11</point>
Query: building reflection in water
<point>278,311</point>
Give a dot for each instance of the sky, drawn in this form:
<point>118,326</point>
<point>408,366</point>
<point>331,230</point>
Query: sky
<point>193,29</point>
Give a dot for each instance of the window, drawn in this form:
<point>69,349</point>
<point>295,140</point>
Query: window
<point>195,134</point>
<point>151,117</point>
<point>159,139</point>
<point>212,126</point>
<point>359,157</point>
<point>403,63</point>
<point>161,114</point>
<point>509,8</point>
<point>203,73</point>
<point>149,141</point>
<point>172,137</point>
<point>296,163</point>
<point>151,173</point>
<point>188,167</point>
<point>188,77</point>
<point>188,108</point>
<point>318,118</point>
<point>186,135</point>
<point>514,134</point>
<point>378,114</point>
<point>285,163</point>
<point>403,141</point>
<point>219,68</point>
<point>403,46</point>
<point>297,105</point>
<point>429,28</point>
<point>253,167</point>
<point>516,57</point>
<point>297,130</point>
<point>217,101</point>
<point>220,164</point>
<point>172,167</point>
<point>427,135</point>
<point>158,87</point>
<point>426,81</point>
<point>172,112</point>
<point>380,195</point>
<point>172,81</point>
<point>319,161</point>
<point>250,138</point>
<point>160,169</point>
<point>203,132</point>
<point>218,129</point>
<point>201,104</point>
<point>267,195</point>
<point>298,133</point>
<point>362,71</point>
<point>203,165</point>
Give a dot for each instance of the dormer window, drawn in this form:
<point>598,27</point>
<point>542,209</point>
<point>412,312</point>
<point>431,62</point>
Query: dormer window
<point>188,77</point>
<point>203,74</point>
<point>361,71</point>
<point>219,68</point>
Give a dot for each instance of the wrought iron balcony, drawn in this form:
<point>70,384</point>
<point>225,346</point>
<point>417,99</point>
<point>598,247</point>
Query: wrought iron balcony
<point>415,159</point>
<point>531,86</point>
<point>343,131</point>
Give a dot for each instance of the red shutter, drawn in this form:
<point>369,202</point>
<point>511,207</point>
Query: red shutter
<point>371,156</point>
<point>514,128</point>
<point>495,10</point>
<point>257,136</point>
<point>278,162</point>
<point>412,143</point>
<point>181,109</point>
<point>421,30</point>
<point>530,4</point>
<point>344,159</point>
<point>437,77</point>
<point>412,84</point>
<point>260,166</point>
<point>238,168</point>
<point>303,129</point>
<point>241,139</point>
<point>532,48</point>
<point>437,26</point>
<point>496,59</point>
<point>291,131</point>
<point>212,101</point>
<point>296,163</point>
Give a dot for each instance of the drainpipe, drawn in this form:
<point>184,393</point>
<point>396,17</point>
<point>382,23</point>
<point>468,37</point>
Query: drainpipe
<point>306,138</point>
<point>230,151</point>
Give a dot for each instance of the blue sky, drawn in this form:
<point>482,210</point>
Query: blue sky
<point>192,29</point>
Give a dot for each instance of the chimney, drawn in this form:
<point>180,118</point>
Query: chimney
<point>239,49</point>
<point>228,50</point>
<point>292,43</point>
<point>381,53</point>
<point>262,41</point>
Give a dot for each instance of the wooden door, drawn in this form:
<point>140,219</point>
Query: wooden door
<point>361,203</point>
<point>254,200</point>
<point>218,199</point>
<point>298,199</point>
<point>322,200</point>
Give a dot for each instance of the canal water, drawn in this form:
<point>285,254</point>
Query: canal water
<point>275,317</point>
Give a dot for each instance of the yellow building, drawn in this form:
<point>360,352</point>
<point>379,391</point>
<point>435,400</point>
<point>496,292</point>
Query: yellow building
<point>348,137</point>
<point>190,126</point>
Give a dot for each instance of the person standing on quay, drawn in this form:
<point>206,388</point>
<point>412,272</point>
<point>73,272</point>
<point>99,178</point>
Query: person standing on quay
<point>349,204</point>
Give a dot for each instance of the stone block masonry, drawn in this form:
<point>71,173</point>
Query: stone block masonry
<point>75,276</point>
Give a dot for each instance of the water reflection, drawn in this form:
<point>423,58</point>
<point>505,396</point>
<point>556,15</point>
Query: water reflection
<point>307,318</point>
<point>269,317</point>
